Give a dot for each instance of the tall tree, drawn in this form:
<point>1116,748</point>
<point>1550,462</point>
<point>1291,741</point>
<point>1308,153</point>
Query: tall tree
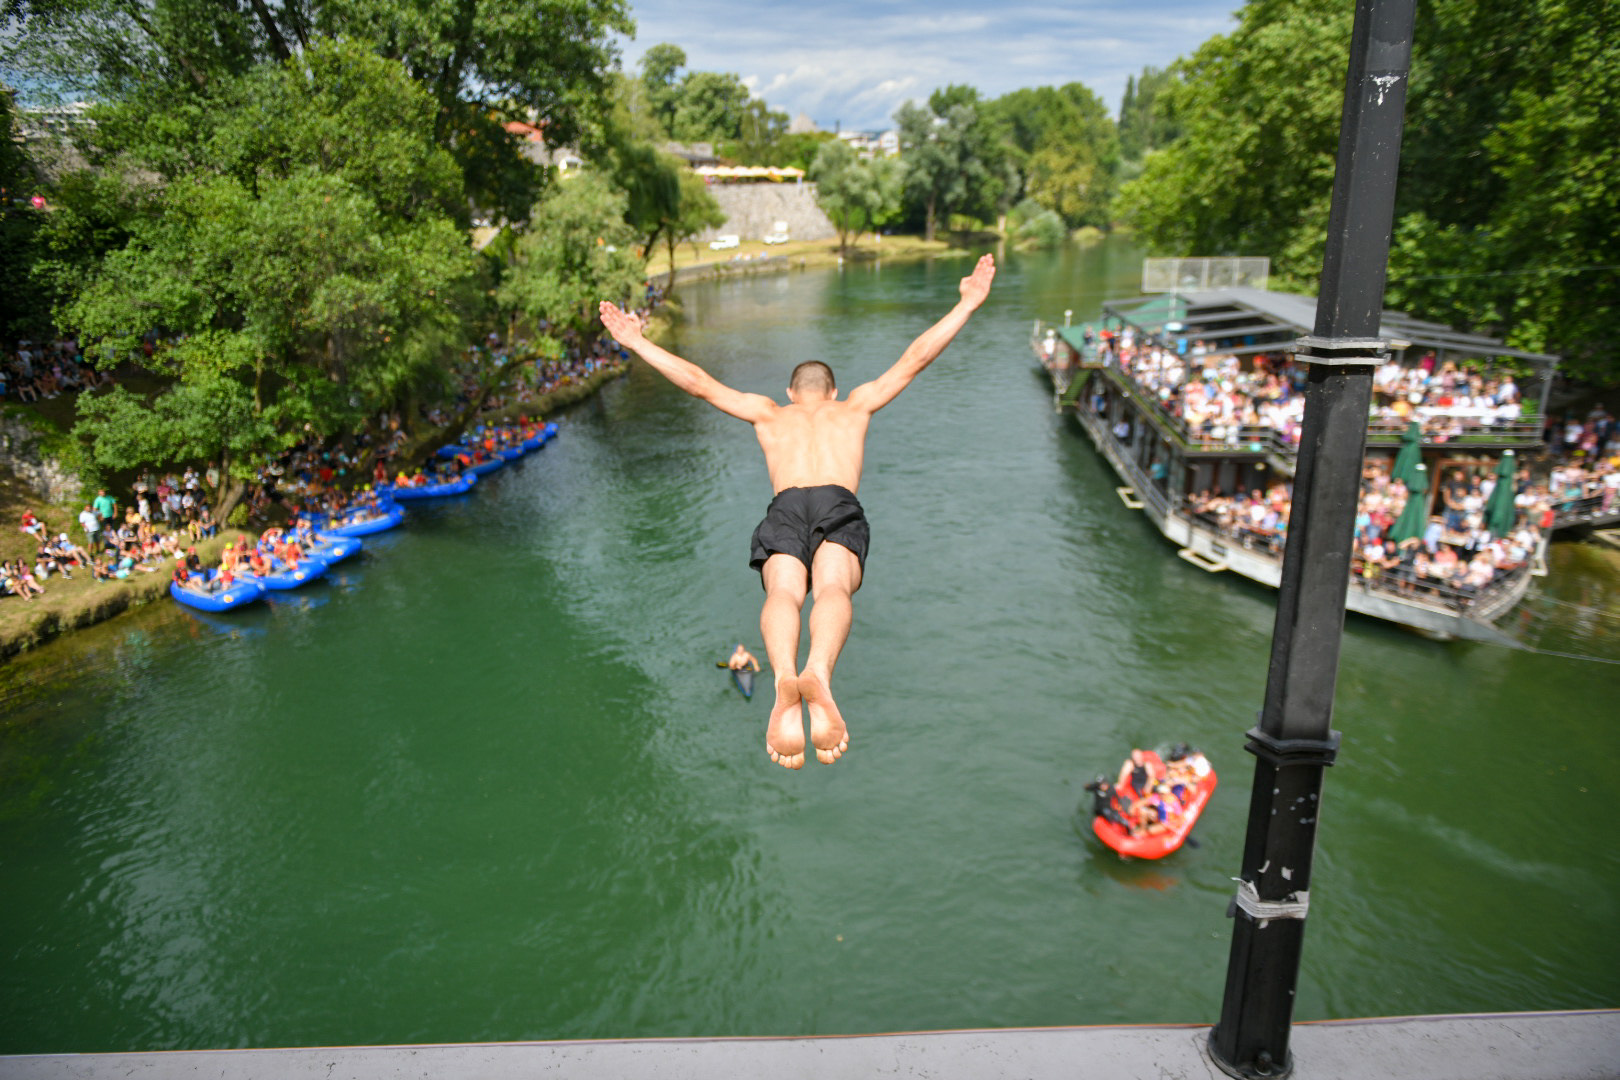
<point>481,61</point>
<point>1252,172</point>
<point>24,309</point>
<point>951,158</point>
<point>1067,147</point>
<point>856,194</point>
<point>1143,127</point>
<point>300,257</point>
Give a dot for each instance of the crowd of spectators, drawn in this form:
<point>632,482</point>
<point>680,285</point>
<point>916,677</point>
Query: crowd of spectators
<point>1585,479</point>
<point>1456,555</point>
<point>1220,398</point>
<point>36,371</point>
<point>163,514</point>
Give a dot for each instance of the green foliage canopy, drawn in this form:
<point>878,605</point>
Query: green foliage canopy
<point>856,194</point>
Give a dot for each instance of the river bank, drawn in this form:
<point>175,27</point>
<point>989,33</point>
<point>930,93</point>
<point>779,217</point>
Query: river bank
<point>756,256</point>
<point>72,604</point>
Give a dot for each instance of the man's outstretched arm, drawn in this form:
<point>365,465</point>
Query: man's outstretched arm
<point>626,330</point>
<point>919,354</point>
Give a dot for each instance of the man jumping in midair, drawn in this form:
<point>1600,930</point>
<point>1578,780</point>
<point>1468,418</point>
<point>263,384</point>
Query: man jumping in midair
<point>813,539</point>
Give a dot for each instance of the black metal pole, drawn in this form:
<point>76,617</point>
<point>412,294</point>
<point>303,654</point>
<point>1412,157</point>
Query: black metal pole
<point>1294,741</point>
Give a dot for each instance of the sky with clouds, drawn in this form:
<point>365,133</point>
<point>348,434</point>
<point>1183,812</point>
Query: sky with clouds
<point>853,62</point>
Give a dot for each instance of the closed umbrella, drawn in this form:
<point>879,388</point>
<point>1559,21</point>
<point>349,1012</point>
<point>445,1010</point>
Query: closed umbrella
<point>1410,455</point>
<point>1500,513</point>
<point>1414,517</point>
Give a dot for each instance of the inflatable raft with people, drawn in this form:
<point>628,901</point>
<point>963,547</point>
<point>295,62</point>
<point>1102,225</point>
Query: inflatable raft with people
<point>1149,810</point>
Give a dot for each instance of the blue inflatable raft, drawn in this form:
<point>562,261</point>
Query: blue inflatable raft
<point>242,591</point>
<point>334,549</point>
<point>459,486</point>
<point>390,517</point>
<point>281,577</point>
<point>484,467</point>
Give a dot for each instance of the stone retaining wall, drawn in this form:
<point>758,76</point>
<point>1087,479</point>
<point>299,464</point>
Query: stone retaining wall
<point>20,452</point>
<point>752,209</point>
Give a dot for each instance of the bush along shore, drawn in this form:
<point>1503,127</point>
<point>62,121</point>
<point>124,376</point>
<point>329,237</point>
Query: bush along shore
<point>72,603</point>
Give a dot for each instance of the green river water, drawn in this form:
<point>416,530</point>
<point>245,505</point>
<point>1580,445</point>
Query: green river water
<point>487,784</point>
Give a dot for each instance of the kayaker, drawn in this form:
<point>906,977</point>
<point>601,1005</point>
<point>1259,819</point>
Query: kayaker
<point>814,537</point>
<point>742,659</point>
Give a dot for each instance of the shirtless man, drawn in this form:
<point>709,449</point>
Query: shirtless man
<point>813,539</point>
<point>742,660</point>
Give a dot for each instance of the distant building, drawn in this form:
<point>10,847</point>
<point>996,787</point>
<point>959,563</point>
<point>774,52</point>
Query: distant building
<point>869,144</point>
<point>696,155</point>
<point>533,147</point>
<point>802,125</point>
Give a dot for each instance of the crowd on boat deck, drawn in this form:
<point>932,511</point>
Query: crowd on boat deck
<point>1456,551</point>
<point>1151,794</point>
<point>1586,475</point>
<point>1216,396</point>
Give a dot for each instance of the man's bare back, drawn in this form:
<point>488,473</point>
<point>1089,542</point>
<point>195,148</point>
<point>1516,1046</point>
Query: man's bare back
<point>814,443</point>
<point>814,448</point>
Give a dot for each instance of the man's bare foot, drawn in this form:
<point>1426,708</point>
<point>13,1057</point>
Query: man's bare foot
<point>784,735</point>
<point>827,730</point>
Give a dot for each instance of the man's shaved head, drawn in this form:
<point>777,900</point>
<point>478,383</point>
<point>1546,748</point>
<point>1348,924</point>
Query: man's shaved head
<point>812,376</point>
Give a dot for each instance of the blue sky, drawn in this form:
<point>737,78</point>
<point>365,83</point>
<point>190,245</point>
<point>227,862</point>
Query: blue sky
<point>855,61</point>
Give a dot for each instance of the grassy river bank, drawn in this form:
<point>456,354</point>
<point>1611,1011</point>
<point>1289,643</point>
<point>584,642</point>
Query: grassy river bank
<point>71,604</point>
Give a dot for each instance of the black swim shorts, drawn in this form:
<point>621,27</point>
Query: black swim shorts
<point>800,518</point>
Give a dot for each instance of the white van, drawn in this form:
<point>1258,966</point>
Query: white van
<point>721,243</point>
<point>778,233</point>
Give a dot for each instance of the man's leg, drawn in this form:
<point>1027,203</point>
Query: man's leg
<point>837,575</point>
<point>786,580</point>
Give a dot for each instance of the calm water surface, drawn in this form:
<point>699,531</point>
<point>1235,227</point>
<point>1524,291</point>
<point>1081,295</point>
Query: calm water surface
<point>488,784</point>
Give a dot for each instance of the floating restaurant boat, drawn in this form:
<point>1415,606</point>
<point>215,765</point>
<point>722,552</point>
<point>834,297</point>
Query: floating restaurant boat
<point>1167,458</point>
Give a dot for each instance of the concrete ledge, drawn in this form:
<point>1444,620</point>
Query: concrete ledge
<point>1504,1046</point>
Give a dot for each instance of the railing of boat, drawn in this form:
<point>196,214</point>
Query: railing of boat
<point>1262,438</point>
<point>1602,509</point>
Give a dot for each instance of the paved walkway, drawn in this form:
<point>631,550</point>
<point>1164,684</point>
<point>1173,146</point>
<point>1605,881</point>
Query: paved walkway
<point>1505,1046</point>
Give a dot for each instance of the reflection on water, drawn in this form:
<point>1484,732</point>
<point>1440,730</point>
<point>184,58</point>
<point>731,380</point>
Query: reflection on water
<point>485,783</point>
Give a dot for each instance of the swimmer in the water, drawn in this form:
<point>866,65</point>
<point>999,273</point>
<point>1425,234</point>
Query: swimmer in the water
<point>814,536</point>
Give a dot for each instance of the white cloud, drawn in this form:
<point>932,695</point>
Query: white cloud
<point>855,63</point>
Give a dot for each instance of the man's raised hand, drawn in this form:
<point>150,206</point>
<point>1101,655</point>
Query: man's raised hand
<point>976,286</point>
<point>625,328</point>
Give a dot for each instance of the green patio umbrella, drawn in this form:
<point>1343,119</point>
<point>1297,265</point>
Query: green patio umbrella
<point>1411,453</point>
<point>1500,513</point>
<point>1414,517</point>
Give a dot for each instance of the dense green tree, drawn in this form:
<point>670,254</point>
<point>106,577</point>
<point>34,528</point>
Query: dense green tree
<point>660,79</point>
<point>952,158</point>
<point>1252,171</point>
<point>1508,214</point>
<point>1511,177</point>
<point>698,211</point>
<point>480,61</point>
<point>856,193</point>
<point>712,107</point>
<point>24,311</point>
<point>578,251</point>
<point>299,252</point>
<point>1066,146</point>
<point>1143,127</point>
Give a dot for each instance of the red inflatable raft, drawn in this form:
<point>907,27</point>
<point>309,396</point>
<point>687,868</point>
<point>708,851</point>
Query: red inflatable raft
<point>1158,844</point>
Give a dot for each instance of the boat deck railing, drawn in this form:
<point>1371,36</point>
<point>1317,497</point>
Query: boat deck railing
<point>1591,510</point>
<point>1482,604</point>
<point>1472,432</point>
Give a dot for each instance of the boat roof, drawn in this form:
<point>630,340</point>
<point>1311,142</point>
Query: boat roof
<point>1243,319</point>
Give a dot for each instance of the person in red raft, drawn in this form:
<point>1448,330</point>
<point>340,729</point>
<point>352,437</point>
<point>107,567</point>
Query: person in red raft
<point>1151,794</point>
